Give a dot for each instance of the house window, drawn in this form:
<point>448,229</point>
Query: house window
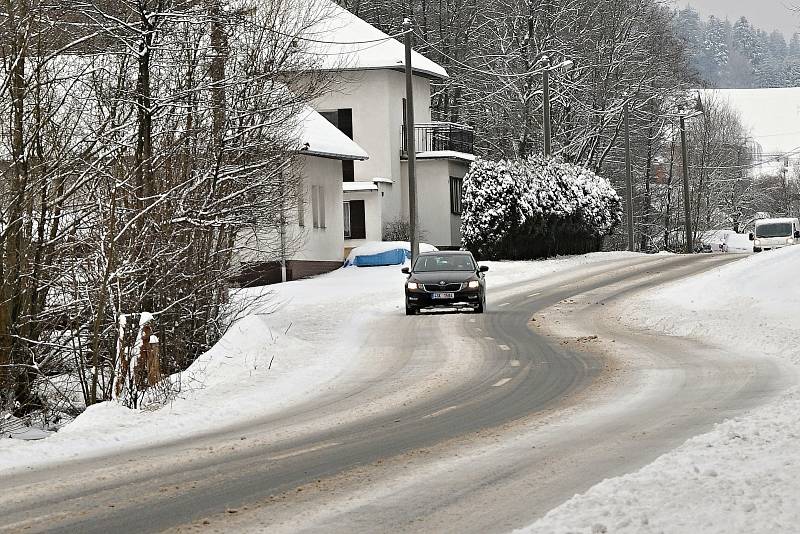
<point>348,171</point>
<point>456,194</point>
<point>318,205</point>
<point>347,220</point>
<point>342,119</point>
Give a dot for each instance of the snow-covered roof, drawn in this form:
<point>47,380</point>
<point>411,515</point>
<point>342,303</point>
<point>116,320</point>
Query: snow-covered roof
<point>776,220</point>
<point>350,187</point>
<point>382,180</point>
<point>771,115</point>
<point>358,45</point>
<point>319,137</point>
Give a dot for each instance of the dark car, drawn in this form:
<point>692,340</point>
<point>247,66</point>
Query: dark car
<point>445,280</point>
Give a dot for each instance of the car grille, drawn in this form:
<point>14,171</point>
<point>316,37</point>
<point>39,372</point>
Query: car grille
<point>431,288</point>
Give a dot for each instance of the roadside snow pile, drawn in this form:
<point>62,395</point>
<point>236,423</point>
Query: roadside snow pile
<point>377,253</point>
<point>742,476</point>
<point>289,350</point>
<point>739,243</point>
<point>535,208</point>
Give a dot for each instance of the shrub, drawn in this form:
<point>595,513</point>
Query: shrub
<point>536,208</point>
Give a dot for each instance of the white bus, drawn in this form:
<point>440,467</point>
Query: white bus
<point>775,233</point>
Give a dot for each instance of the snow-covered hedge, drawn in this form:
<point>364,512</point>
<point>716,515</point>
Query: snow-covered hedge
<point>536,208</point>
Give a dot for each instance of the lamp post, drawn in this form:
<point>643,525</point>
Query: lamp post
<point>547,66</point>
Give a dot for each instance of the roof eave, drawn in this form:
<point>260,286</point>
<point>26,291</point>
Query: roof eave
<point>331,155</point>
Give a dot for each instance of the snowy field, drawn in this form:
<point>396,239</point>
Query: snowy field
<point>743,476</point>
<point>282,354</point>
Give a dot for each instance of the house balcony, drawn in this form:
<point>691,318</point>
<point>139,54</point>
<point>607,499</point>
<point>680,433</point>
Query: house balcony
<point>440,137</point>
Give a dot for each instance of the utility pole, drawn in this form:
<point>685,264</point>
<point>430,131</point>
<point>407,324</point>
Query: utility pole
<point>687,212</point>
<point>628,178</point>
<point>546,96</point>
<point>282,222</point>
<point>410,147</point>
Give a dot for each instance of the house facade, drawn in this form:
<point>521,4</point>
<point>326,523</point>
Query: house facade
<point>309,240</point>
<point>356,190</point>
<point>368,103</point>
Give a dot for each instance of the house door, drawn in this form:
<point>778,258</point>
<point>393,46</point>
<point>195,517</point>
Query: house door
<point>354,220</point>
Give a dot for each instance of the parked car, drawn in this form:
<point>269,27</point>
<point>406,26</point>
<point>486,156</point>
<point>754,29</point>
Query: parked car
<point>445,280</point>
<point>775,233</point>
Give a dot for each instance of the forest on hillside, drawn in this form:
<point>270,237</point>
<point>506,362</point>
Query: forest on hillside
<point>725,54</point>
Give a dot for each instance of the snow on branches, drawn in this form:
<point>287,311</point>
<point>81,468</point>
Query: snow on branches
<point>537,207</point>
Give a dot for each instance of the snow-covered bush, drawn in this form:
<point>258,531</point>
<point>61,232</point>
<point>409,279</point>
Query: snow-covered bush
<point>536,208</point>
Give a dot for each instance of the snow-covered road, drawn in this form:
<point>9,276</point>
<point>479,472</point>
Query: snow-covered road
<point>441,422</point>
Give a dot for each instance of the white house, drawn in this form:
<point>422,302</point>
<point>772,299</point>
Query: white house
<point>355,171</point>
<point>368,103</point>
<point>312,238</point>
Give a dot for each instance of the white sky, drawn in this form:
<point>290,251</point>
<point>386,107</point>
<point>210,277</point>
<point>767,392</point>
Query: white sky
<point>765,14</point>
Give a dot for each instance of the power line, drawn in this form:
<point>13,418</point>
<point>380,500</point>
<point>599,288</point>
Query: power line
<point>474,69</point>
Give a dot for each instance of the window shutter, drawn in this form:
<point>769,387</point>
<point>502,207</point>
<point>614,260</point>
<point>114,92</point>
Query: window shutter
<point>322,206</point>
<point>315,205</point>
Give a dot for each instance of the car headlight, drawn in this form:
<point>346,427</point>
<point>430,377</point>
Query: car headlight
<point>412,285</point>
<point>473,284</point>
<point>790,241</point>
<point>757,242</point>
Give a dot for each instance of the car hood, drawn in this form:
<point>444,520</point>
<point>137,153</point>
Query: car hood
<point>450,277</point>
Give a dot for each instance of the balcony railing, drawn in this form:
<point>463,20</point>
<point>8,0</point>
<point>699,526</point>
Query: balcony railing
<point>440,136</point>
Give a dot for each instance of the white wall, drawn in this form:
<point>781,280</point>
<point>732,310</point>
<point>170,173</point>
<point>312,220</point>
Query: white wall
<point>376,98</point>
<point>457,169</point>
<point>437,224</point>
<point>372,216</point>
<point>322,243</point>
<point>306,242</point>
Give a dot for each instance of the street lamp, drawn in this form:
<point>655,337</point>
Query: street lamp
<point>547,66</point>
<point>687,212</point>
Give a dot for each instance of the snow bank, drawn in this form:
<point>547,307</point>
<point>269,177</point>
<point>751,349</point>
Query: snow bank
<point>742,476</point>
<point>289,350</point>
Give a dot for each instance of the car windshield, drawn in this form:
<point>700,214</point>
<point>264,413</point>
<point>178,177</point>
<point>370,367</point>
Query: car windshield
<point>774,230</point>
<point>444,262</point>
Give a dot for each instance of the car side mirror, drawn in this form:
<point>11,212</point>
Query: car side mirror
<point>797,234</point>
<point>483,268</point>
<point>405,270</point>
<point>751,236</point>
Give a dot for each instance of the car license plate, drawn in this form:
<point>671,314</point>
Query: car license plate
<point>444,295</point>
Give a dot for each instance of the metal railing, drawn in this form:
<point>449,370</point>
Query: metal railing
<point>440,136</point>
